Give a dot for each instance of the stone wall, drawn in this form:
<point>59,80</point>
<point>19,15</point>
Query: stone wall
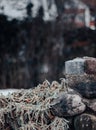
<point>81,76</point>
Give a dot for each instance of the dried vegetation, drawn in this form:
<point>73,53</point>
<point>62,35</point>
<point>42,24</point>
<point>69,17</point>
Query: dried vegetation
<point>30,109</point>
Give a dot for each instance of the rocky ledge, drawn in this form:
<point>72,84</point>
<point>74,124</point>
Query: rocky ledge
<point>68,105</point>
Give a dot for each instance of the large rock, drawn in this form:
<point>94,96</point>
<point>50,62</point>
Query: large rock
<point>84,84</point>
<point>90,104</point>
<point>86,89</point>
<point>81,66</point>
<point>76,79</point>
<point>67,104</point>
<point>75,66</point>
<point>90,65</point>
<point>85,122</point>
<point>81,75</point>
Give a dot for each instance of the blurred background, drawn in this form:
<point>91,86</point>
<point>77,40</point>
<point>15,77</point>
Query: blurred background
<point>38,36</point>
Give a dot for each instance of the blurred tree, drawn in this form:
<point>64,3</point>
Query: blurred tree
<point>29,9</point>
<point>40,13</point>
<point>60,6</point>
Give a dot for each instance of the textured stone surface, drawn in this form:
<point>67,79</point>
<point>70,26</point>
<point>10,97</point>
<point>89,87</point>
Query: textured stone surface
<point>67,104</point>
<point>86,89</point>
<point>75,66</point>
<point>76,79</point>
<point>80,66</point>
<point>90,104</point>
<point>85,122</point>
<point>90,65</point>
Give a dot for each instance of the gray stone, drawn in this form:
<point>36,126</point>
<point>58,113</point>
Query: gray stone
<point>85,122</point>
<point>90,65</point>
<point>90,104</point>
<point>67,104</point>
<point>75,66</point>
<point>86,89</point>
<point>80,66</point>
<point>76,79</point>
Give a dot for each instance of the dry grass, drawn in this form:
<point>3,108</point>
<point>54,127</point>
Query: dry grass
<point>30,109</point>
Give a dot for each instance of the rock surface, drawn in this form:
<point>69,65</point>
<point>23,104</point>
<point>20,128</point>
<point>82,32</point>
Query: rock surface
<point>67,104</point>
<point>81,75</point>
<point>81,66</point>
<point>75,66</point>
<point>76,79</point>
<point>85,122</point>
<point>90,104</point>
<point>90,65</point>
<point>87,90</point>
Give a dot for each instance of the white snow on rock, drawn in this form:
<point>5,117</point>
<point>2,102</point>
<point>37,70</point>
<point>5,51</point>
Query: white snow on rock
<point>5,92</point>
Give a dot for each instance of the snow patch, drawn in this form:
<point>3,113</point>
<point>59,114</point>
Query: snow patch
<point>17,9</point>
<point>5,92</point>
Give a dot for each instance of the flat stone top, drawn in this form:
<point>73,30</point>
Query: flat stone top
<point>81,66</point>
<point>75,66</point>
<point>77,60</point>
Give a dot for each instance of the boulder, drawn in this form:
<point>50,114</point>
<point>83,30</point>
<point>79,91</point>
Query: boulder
<point>81,66</point>
<point>75,66</point>
<point>76,79</point>
<point>85,122</point>
<point>90,104</point>
<point>90,65</point>
<point>67,104</point>
<point>86,89</point>
<point>81,76</point>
